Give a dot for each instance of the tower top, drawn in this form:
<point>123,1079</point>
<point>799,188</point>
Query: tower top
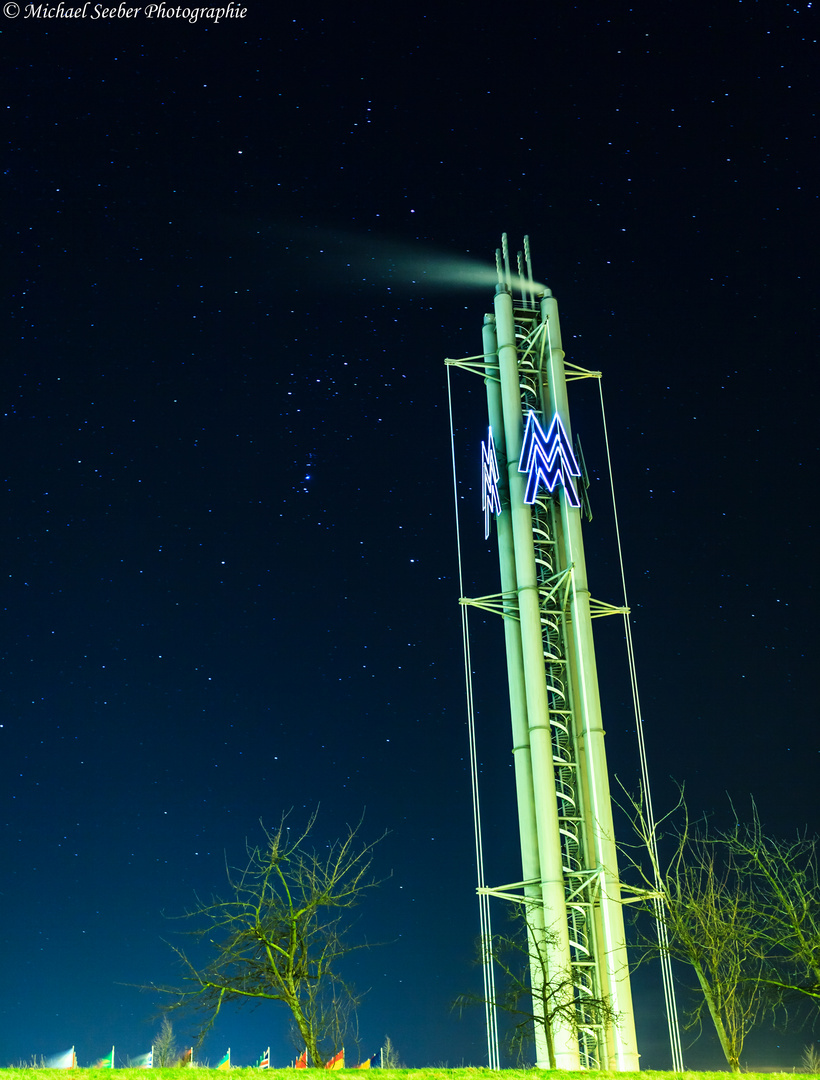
<point>523,280</point>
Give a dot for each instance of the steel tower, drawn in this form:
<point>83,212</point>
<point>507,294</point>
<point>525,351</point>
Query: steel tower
<point>534,487</point>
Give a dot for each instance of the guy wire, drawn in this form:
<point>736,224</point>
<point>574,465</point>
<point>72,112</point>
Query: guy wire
<point>483,899</point>
<point>660,923</point>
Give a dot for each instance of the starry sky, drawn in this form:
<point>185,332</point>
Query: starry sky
<point>236,255</point>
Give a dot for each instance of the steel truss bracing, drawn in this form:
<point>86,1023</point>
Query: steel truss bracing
<point>570,880</point>
<point>581,874</point>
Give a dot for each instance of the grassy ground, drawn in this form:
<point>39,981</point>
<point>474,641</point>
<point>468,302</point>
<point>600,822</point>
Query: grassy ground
<point>195,1073</point>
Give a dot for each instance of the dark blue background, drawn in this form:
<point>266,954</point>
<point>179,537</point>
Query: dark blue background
<point>228,557</point>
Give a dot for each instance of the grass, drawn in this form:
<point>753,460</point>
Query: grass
<point>196,1073</point>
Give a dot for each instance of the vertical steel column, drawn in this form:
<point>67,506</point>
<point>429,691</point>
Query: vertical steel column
<point>612,959</point>
<point>545,802</point>
<point>522,759</point>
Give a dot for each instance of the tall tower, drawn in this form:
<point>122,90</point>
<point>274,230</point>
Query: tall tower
<point>570,888</point>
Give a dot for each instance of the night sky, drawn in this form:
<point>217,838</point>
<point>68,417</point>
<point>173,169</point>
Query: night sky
<point>235,258</point>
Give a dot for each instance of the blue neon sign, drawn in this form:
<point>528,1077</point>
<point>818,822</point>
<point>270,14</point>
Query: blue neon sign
<point>548,459</point>
<point>490,500</point>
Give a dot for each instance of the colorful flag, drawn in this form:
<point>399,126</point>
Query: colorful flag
<point>143,1061</point>
<point>264,1061</point>
<point>363,1064</point>
<point>337,1061</point>
<point>301,1061</point>
<point>68,1060</point>
<point>106,1062</point>
<point>188,1057</point>
<point>225,1063</point>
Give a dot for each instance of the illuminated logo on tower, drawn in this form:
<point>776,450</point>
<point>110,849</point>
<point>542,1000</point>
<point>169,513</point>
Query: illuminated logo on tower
<point>490,501</point>
<point>548,459</point>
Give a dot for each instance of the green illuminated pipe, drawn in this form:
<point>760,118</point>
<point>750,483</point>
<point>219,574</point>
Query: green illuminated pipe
<point>622,1044</point>
<point>522,759</point>
<point>545,802</point>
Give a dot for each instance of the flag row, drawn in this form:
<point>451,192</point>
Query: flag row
<point>336,1062</point>
<point>68,1060</point>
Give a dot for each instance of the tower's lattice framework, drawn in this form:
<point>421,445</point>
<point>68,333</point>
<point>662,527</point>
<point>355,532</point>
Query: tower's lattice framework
<point>570,872</point>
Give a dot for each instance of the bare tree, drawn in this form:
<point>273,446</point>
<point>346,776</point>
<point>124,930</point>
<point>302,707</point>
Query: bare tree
<point>811,1060</point>
<point>786,881</point>
<point>164,1048</point>
<point>389,1055</point>
<point>711,921</point>
<point>281,935</point>
<point>558,998</point>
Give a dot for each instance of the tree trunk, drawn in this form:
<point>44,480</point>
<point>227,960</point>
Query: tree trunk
<point>308,1034</point>
<point>729,1051</point>
<point>550,1045</point>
